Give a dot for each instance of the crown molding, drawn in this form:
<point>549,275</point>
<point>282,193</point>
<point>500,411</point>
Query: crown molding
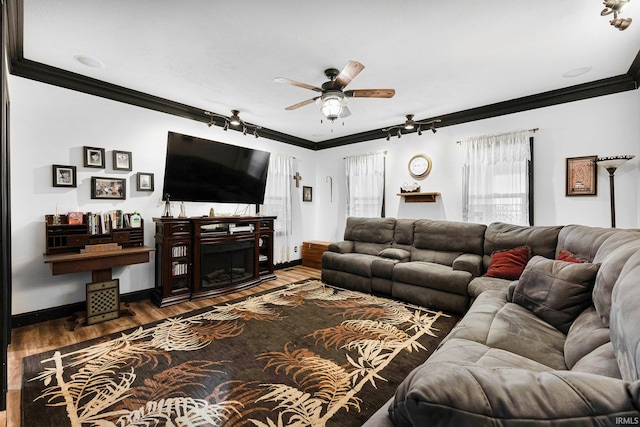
<point>20,66</point>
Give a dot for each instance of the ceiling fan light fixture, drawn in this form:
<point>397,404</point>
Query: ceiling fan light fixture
<point>332,104</point>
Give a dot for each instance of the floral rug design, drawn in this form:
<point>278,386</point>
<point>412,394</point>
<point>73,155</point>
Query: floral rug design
<point>303,355</point>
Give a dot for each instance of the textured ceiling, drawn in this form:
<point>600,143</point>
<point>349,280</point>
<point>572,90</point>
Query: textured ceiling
<point>440,56</point>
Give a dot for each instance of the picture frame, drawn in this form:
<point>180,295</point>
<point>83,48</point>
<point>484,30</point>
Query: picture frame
<point>581,176</point>
<point>122,160</point>
<point>144,181</point>
<point>108,188</point>
<point>307,194</point>
<point>64,176</point>
<point>93,157</point>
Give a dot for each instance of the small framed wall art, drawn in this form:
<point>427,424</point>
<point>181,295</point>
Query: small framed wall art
<point>94,157</point>
<point>144,181</point>
<point>582,176</point>
<point>64,176</point>
<point>122,160</point>
<point>108,188</point>
<point>307,194</point>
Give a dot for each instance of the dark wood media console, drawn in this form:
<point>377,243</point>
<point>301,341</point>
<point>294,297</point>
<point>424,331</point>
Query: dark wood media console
<point>201,257</point>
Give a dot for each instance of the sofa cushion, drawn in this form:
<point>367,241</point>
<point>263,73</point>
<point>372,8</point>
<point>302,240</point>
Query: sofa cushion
<point>625,318</point>
<point>354,263</point>
<point>586,334</point>
<point>601,361</point>
<point>433,256</point>
<point>484,283</point>
<point>434,276</point>
<point>449,236</point>
<point>509,263</point>
<point>372,230</point>
<point>555,291</point>
<point>403,232</point>
<point>542,240</point>
<point>447,394</point>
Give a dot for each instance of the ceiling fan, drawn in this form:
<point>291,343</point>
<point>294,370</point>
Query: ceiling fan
<point>332,98</point>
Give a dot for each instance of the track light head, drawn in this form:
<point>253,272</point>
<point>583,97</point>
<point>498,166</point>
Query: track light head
<point>409,124</point>
<point>234,120</point>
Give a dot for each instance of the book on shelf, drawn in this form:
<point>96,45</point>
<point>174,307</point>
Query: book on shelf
<point>105,223</point>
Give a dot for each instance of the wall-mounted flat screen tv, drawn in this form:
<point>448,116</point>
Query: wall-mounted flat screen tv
<point>200,170</point>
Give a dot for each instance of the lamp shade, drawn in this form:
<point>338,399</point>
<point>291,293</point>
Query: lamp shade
<point>332,105</point>
<point>613,161</point>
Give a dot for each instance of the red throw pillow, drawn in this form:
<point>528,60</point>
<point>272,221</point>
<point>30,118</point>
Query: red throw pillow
<point>567,256</point>
<point>509,264</point>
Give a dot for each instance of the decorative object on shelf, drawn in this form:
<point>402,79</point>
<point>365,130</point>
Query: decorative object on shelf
<point>108,188</point>
<point>167,207</point>
<point>611,164</point>
<point>136,220</point>
<point>75,217</point>
<point>64,176</point>
<point>144,181</point>
<point>232,121</point>
<point>122,160</point>
<point>94,157</point>
<point>419,166</point>
<point>410,188</point>
<point>307,194</point>
<point>615,7</point>
<point>183,211</point>
<point>581,176</point>
<point>333,98</point>
<point>298,178</point>
<point>411,125</point>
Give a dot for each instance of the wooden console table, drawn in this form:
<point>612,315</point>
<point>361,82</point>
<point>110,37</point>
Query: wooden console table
<point>100,264</point>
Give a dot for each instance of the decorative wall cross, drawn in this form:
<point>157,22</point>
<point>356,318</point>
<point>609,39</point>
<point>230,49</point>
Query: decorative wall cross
<point>298,178</point>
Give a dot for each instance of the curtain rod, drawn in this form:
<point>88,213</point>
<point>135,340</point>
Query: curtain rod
<point>371,152</point>
<point>534,130</point>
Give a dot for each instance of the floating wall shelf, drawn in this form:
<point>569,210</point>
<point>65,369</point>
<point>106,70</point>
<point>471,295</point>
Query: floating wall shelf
<point>419,197</point>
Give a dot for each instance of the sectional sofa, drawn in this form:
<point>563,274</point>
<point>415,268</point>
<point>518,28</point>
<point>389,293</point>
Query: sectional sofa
<point>550,333</point>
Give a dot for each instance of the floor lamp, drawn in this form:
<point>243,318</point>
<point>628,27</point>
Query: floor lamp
<point>611,164</point>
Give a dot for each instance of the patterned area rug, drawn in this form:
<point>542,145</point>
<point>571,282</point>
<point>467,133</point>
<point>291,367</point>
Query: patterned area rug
<point>303,355</point>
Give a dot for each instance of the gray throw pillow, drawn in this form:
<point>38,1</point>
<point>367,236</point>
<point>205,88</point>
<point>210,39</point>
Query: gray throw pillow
<point>555,291</point>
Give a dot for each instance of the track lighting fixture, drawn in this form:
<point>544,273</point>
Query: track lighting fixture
<point>615,7</point>
<point>409,125</point>
<point>234,121</point>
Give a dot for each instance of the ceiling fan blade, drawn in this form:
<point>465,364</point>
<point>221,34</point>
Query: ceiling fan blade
<point>296,83</point>
<point>370,93</point>
<point>301,104</point>
<point>348,73</point>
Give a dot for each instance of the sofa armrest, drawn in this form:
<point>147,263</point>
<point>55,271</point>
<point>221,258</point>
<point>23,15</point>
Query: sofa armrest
<point>444,394</point>
<point>344,247</point>
<point>468,262</point>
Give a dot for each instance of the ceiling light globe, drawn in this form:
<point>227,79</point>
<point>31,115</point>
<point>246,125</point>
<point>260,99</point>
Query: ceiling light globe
<point>332,105</point>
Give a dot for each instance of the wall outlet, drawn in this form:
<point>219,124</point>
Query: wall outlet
<point>295,249</point>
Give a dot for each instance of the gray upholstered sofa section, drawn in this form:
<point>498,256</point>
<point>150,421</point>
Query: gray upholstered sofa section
<point>505,365</point>
<point>424,262</point>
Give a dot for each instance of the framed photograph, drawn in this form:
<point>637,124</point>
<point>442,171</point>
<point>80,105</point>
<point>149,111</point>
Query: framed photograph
<point>108,188</point>
<point>122,160</point>
<point>582,176</point>
<point>64,176</point>
<point>307,194</point>
<point>94,157</point>
<point>144,181</point>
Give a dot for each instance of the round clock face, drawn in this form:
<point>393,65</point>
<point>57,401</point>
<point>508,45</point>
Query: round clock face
<point>420,166</point>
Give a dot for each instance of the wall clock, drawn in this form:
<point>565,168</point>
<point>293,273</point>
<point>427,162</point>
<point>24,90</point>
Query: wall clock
<point>420,166</point>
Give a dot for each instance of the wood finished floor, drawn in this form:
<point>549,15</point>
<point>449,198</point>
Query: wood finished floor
<point>34,339</point>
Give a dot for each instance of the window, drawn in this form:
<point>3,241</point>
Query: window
<point>496,179</point>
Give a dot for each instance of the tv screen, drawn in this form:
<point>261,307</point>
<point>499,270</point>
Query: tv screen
<point>200,170</point>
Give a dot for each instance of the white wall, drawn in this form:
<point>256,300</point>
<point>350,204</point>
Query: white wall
<point>603,126</point>
<point>50,125</point>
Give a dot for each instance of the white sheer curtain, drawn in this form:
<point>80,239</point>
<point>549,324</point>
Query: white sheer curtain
<point>365,185</point>
<point>496,178</point>
<point>277,201</point>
